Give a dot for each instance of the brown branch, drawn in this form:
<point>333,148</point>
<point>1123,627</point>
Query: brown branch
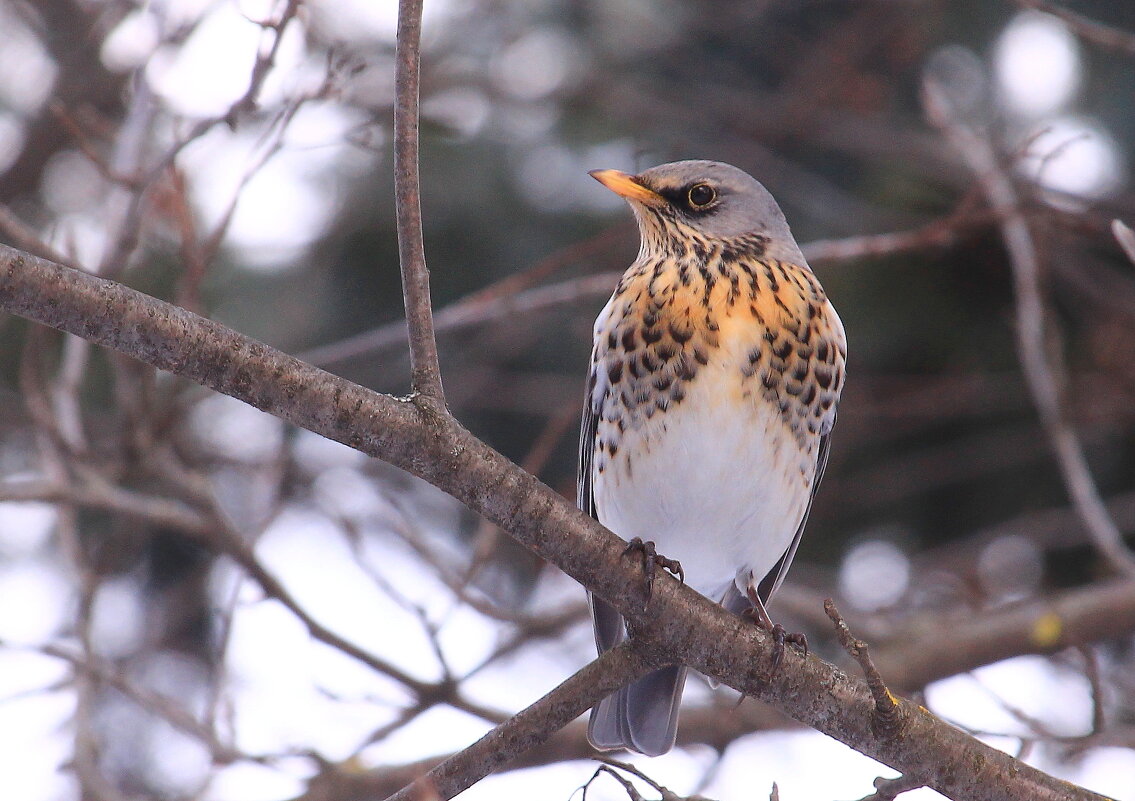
<point>469,311</point>
<point>1125,237</point>
<point>887,720</point>
<point>1087,29</point>
<point>677,623</point>
<point>533,725</point>
<point>920,654</point>
<point>713,726</point>
<point>1039,366</point>
<point>424,369</point>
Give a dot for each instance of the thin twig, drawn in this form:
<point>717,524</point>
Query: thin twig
<point>1087,29</point>
<point>1039,366</point>
<point>887,720</point>
<point>1125,237</point>
<point>425,371</point>
<point>533,725</point>
<point>890,789</point>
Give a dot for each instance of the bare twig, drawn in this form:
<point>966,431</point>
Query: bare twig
<point>886,721</point>
<point>1089,30</point>
<point>1039,367</point>
<point>890,789</point>
<point>612,766</point>
<point>424,368</point>
<point>1125,237</point>
<point>473,310</point>
<point>919,654</point>
<point>533,725</point>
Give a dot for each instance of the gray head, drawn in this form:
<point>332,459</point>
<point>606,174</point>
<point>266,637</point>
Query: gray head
<point>703,200</point>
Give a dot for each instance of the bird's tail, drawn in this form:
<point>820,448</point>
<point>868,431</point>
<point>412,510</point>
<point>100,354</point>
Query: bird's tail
<point>643,716</point>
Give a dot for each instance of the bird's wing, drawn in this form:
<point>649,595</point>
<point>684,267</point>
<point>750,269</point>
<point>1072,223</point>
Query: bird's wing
<point>588,430</point>
<point>775,576</point>
<point>609,627</point>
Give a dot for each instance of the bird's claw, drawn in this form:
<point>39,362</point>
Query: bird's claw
<point>780,637</point>
<point>652,560</point>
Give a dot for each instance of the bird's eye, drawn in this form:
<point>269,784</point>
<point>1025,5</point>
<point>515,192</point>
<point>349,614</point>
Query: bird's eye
<point>701,196</point>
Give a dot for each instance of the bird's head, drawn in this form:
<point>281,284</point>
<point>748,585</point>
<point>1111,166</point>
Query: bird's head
<point>686,202</point>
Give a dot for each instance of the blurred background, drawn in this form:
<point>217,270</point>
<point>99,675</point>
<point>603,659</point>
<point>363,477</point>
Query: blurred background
<point>180,574</point>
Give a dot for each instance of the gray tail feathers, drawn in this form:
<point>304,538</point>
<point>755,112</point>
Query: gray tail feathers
<point>643,716</point>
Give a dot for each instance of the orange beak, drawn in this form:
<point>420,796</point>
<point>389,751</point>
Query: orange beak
<point>626,185</point>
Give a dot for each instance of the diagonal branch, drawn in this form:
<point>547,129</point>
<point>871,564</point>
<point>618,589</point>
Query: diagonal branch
<point>677,621</point>
<point>1039,367</point>
<point>424,369</point>
<point>533,725</point>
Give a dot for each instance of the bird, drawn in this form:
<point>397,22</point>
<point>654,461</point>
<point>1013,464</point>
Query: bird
<point>714,379</point>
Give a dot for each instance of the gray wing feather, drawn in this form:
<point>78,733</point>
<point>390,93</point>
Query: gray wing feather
<point>643,716</point>
<point>773,579</point>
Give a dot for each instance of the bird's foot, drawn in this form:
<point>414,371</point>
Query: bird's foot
<point>780,635</point>
<point>651,561</point>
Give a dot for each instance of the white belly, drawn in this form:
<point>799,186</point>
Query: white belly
<point>718,484</point>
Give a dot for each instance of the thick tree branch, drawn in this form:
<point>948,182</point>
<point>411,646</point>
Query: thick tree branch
<point>424,369</point>
<point>677,622</point>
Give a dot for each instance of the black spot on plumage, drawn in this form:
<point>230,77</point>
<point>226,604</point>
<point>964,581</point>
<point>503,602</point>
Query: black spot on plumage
<point>614,372</point>
<point>773,284</point>
<point>629,339</point>
<point>650,362</point>
<point>800,372</point>
<point>769,379</point>
<point>680,335</point>
<point>700,356</point>
<point>810,395</point>
<point>794,388</point>
<point>823,377</point>
<point>612,340</point>
<point>633,368</point>
<point>822,350</point>
<point>666,351</point>
<point>686,370</point>
<point>678,395</point>
<point>755,355</point>
<point>651,335</point>
<point>782,350</point>
<point>662,383</point>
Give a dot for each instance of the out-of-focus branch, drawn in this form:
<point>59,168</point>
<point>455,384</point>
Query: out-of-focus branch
<point>1088,29</point>
<point>424,368</point>
<point>922,653</point>
<point>510,296</point>
<point>677,624</point>
<point>1125,237</point>
<point>1039,366</point>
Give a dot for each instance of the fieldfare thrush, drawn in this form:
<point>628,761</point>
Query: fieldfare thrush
<point>717,367</point>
